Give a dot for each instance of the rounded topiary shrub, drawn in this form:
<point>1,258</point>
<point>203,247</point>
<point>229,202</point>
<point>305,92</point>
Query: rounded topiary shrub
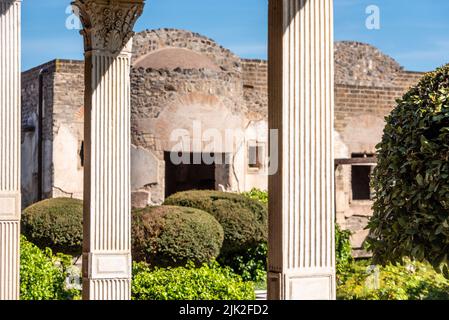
<point>411,180</point>
<point>55,223</point>
<point>173,236</point>
<point>244,220</point>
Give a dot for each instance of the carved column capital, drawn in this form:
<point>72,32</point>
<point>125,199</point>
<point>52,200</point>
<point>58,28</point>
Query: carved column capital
<point>108,24</point>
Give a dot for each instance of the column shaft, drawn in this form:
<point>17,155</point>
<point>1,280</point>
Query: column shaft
<point>301,240</point>
<point>9,148</point>
<point>107,186</point>
<point>107,35</point>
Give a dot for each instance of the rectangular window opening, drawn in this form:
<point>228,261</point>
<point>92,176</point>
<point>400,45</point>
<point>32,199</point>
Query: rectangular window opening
<point>361,179</point>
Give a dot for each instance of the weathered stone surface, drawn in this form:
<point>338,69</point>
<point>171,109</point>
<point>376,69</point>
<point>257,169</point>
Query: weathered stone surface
<point>140,199</point>
<point>145,166</point>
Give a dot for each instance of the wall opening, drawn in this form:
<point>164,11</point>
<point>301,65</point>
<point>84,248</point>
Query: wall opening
<point>194,175</point>
<point>81,154</point>
<point>361,179</point>
<point>256,156</point>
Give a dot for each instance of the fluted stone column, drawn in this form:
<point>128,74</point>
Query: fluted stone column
<point>107,245</point>
<point>9,148</point>
<point>301,238</point>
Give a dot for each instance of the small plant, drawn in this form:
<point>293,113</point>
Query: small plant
<point>209,282</point>
<point>257,194</point>
<point>343,252</point>
<point>251,266</point>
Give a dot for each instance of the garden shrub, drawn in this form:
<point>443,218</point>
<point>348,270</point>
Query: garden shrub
<point>411,180</point>
<point>173,236</point>
<point>42,274</point>
<point>244,220</point>
<point>257,194</point>
<point>55,223</point>
<point>412,281</point>
<point>250,265</point>
<point>209,282</point>
<point>343,250</point>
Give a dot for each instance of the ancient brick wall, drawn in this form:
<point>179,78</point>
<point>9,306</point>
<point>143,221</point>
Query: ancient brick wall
<point>255,88</point>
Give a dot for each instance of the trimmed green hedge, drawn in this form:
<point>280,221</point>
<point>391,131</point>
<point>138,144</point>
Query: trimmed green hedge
<point>55,223</point>
<point>411,180</point>
<point>244,220</point>
<point>173,236</point>
<point>209,282</point>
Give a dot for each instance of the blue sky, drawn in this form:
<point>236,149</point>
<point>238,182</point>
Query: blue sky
<point>414,32</point>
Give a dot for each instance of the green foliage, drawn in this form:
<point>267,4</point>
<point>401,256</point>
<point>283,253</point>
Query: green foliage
<point>251,265</point>
<point>413,281</point>
<point>411,209</point>
<point>209,282</point>
<point>173,236</point>
<point>55,223</point>
<point>257,194</point>
<point>244,220</point>
<point>343,250</point>
<point>42,274</point>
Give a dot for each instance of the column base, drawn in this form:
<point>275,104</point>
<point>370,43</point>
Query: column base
<point>106,289</point>
<point>301,286</point>
<point>107,276</point>
<point>9,249</point>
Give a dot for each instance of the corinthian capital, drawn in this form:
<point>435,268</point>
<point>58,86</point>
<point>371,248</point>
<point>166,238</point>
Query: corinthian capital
<point>108,24</point>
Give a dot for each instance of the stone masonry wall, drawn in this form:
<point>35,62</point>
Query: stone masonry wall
<point>30,130</point>
<point>255,88</point>
<point>152,40</point>
<point>68,129</point>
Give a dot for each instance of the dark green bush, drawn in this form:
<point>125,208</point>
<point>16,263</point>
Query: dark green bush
<point>209,282</point>
<point>244,220</point>
<point>412,281</point>
<point>42,274</point>
<point>55,223</point>
<point>250,265</point>
<point>411,180</point>
<point>173,236</point>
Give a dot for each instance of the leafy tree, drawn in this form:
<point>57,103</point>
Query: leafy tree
<point>411,208</point>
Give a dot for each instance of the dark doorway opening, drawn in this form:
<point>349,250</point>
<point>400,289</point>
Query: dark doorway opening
<point>361,179</point>
<point>194,175</point>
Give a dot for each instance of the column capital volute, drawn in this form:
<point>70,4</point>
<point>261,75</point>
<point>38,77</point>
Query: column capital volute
<point>108,24</point>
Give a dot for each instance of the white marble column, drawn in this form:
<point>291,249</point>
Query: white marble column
<point>107,243</point>
<point>9,148</point>
<point>301,99</point>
